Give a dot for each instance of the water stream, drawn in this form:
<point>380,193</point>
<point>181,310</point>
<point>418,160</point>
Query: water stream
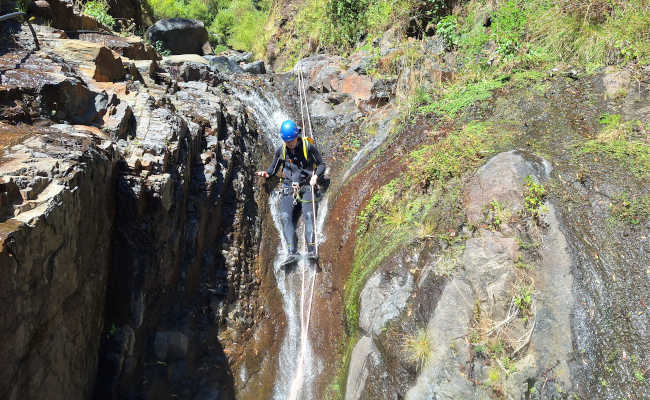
<point>298,366</point>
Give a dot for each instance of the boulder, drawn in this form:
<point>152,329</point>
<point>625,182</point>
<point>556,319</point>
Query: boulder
<point>360,62</point>
<point>383,298</point>
<point>501,179</point>
<point>364,356</point>
<point>95,60</point>
<point>177,60</point>
<point>256,67</point>
<point>616,82</point>
<point>357,86</point>
<point>179,35</point>
<point>224,65</point>
<point>238,56</point>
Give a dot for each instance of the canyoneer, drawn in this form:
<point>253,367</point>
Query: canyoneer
<point>303,170</point>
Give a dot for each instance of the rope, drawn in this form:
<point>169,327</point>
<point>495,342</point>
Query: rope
<point>302,94</point>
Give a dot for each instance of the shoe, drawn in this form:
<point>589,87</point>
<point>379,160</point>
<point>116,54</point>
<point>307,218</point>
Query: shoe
<point>289,261</point>
<point>312,256</point>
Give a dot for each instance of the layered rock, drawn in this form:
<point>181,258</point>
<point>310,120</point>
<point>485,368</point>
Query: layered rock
<point>56,225</point>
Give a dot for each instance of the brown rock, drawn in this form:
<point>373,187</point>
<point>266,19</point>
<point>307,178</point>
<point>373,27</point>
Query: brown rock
<point>94,60</point>
<point>357,86</point>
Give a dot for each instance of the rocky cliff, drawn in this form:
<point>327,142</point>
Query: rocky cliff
<point>130,223</point>
<point>485,237</point>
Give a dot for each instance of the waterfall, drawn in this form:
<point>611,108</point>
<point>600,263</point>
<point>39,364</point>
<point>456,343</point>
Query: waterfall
<point>298,366</point>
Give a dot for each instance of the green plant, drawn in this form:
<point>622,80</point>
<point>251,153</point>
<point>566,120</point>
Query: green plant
<point>497,214</point>
<point>99,10</point>
<point>418,348</point>
<point>630,210</point>
<point>509,365</point>
<point>447,28</point>
<point>524,298</point>
<point>519,263</point>
<point>534,196</point>
<point>346,19</point>
<point>161,49</point>
<point>23,5</point>
<point>508,27</point>
<point>639,375</point>
<point>460,96</point>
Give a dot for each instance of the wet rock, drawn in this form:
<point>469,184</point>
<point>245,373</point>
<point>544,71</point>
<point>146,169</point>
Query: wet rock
<point>179,35</point>
<point>447,329</point>
<point>256,67</point>
<point>383,298</point>
<point>501,179</point>
<point>319,108</point>
<point>489,262</point>
<point>170,345</point>
<point>224,65</point>
<point>364,356</point>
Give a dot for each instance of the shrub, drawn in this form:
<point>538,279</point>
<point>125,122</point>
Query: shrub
<point>99,10</point>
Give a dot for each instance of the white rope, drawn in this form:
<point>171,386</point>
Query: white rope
<point>305,317</point>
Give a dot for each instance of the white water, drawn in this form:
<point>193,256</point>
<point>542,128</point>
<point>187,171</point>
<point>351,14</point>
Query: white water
<point>298,366</point>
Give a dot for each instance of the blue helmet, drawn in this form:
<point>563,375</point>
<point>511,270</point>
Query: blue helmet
<point>289,130</point>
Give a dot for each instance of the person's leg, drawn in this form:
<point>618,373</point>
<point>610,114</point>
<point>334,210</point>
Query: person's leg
<point>288,227</point>
<point>308,219</point>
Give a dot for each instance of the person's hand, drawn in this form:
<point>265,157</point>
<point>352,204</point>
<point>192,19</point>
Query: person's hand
<point>313,180</point>
<point>263,174</point>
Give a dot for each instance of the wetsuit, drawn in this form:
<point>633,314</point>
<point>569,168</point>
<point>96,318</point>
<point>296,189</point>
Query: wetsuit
<point>297,169</point>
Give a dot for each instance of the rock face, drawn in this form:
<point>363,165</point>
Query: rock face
<point>130,227</point>
<point>179,35</point>
<point>56,257</point>
<point>478,306</point>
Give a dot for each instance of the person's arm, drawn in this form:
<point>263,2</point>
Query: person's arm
<point>320,164</point>
<point>275,165</point>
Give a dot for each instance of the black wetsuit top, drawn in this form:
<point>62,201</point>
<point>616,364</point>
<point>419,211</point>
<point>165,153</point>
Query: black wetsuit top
<point>295,167</point>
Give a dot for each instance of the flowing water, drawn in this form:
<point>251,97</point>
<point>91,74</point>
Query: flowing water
<point>298,366</point>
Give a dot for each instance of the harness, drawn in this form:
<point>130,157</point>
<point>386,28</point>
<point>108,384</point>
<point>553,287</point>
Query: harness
<point>294,190</point>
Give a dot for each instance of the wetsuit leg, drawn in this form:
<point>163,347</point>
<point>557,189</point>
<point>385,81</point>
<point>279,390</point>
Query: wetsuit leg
<point>286,218</point>
<point>308,218</point>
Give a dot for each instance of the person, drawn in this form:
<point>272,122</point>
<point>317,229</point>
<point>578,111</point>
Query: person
<point>302,169</point>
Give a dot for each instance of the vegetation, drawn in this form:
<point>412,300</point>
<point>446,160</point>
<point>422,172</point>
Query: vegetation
<point>534,196</point>
<point>631,210</point>
<point>418,348</point>
<point>622,141</point>
<point>99,10</point>
<point>235,23</point>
